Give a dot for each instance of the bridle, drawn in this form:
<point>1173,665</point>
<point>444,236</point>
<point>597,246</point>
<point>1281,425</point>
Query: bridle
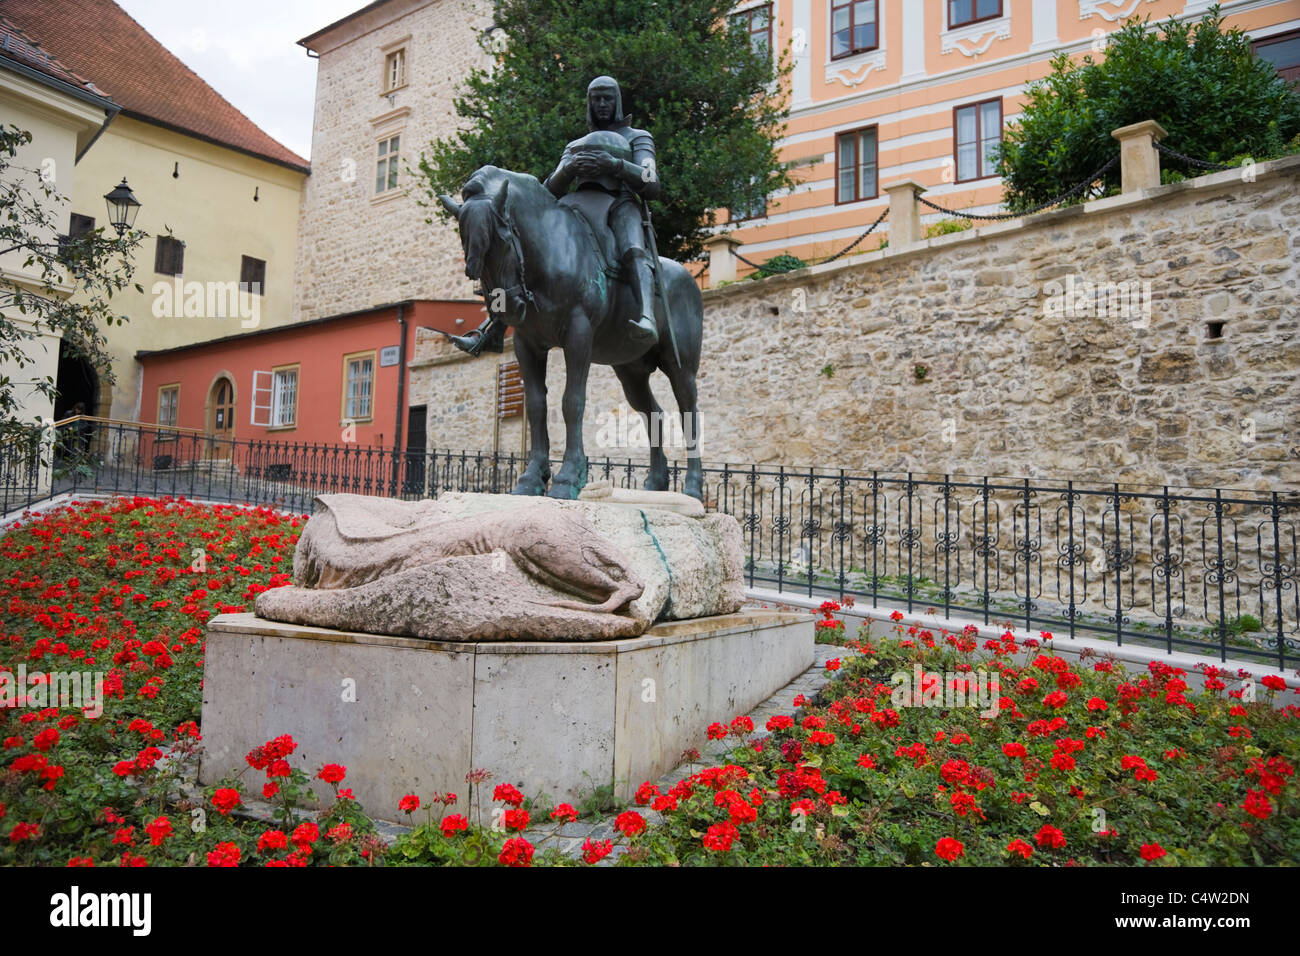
<point>505,226</point>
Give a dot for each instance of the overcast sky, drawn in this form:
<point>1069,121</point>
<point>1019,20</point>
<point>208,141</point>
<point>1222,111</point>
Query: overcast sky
<point>247,51</point>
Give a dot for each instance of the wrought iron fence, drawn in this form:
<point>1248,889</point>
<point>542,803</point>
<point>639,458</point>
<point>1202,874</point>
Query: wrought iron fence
<point>1181,569</point>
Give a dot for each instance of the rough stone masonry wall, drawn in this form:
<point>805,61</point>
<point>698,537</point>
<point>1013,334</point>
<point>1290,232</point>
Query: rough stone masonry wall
<point>823,367</point>
<point>356,250</point>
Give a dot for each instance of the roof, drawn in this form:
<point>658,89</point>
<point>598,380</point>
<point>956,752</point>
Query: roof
<point>307,41</point>
<point>99,40</point>
<point>17,47</point>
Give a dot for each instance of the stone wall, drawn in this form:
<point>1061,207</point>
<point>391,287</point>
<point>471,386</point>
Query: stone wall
<point>977,353</point>
<point>357,250</point>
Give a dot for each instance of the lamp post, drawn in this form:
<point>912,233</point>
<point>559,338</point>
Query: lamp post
<point>122,207</point>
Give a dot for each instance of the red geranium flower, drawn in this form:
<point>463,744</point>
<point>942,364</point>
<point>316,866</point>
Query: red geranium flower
<point>453,824</point>
<point>720,836</point>
<point>516,852</point>
<point>332,773</point>
<point>508,793</point>
<point>159,830</point>
<point>630,823</point>
<point>949,849</point>
<point>409,803</point>
<point>1152,851</point>
<point>564,812</point>
<point>595,852</point>
<point>224,854</point>
<point>226,800</point>
<point>1020,846</point>
<point>1050,837</point>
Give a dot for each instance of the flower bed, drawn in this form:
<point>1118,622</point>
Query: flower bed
<point>1079,764</point>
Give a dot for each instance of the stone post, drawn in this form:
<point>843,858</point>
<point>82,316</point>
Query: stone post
<point>722,259</point>
<point>904,213</point>
<point>1139,162</point>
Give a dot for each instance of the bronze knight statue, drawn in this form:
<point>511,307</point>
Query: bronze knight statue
<point>549,264</point>
<point>616,161</point>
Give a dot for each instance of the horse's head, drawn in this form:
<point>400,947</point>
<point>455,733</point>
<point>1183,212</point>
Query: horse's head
<point>481,217</point>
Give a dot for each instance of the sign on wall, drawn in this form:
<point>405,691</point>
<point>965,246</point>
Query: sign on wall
<point>388,356</point>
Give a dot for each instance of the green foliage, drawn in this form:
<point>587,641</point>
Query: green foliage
<point>710,102</point>
<point>777,265</point>
<point>945,226</point>
<point>1202,84</point>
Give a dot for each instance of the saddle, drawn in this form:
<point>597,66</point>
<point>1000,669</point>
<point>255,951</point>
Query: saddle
<point>592,206</point>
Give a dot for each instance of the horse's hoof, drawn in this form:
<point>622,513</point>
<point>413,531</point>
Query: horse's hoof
<point>655,483</point>
<point>530,484</point>
<point>567,490</point>
<point>694,489</point>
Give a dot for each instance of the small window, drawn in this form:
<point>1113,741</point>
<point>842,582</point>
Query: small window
<point>854,27</point>
<point>855,165</point>
<point>79,225</point>
<point>757,22</point>
<point>510,391</point>
<point>169,256</point>
<point>978,135</point>
<point>395,70</point>
<point>358,386</point>
<point>386,170</point>
<point>284,397</point>
<point>169,398</point>
<point>252,275</point>
<point>1283,52</point>
<point>962,12</point>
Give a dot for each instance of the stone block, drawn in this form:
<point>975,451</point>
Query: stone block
<point>406,715</point>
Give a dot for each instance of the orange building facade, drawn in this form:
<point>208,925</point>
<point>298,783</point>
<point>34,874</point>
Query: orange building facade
<point>885,90</point>
<point>341,379</point>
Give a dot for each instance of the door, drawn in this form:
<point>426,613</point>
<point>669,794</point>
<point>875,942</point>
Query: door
<point>413,482</point>
<point>221,420</point>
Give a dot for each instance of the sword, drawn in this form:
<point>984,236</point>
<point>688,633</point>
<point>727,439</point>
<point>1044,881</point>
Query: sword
<point>658,274</point>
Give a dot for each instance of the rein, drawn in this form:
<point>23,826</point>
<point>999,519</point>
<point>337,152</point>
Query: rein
<point>524,293</point>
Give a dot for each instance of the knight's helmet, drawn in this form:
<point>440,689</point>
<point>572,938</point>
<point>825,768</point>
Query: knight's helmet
<point>610,84</point>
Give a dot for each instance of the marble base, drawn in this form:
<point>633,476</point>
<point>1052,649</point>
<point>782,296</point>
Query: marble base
<point>406,715</point>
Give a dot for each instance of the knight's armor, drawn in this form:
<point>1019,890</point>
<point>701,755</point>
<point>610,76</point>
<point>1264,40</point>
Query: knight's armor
<point>618,159</point>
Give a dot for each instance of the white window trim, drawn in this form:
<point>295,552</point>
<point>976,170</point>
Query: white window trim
<point>853,70</point>
<point>988,30</point>
<point>277,380</point>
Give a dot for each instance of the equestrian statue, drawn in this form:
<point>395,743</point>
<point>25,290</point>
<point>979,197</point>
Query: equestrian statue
<point>580,271</point>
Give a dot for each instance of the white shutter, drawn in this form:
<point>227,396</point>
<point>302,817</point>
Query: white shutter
<point>262,387</point>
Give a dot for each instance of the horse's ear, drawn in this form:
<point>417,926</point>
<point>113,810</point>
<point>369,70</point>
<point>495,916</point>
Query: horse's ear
<point>499,200</point>
<point>450,205</point>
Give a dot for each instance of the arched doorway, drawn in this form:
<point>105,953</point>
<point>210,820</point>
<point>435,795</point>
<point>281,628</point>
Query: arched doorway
<point>221,417</point>
<point>77,383</point>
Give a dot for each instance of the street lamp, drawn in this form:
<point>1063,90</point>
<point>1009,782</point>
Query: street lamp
<point>122,207</point>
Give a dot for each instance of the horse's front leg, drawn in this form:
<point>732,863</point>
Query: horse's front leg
<point>572,476</point>
<point>532,369</point>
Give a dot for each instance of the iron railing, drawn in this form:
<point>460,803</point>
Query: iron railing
<point>1181,569</point>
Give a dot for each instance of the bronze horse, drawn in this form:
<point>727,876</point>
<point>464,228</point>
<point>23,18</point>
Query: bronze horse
<point>546,267</point>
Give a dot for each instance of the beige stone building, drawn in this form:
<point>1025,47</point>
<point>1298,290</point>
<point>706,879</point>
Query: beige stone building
<point>219,199</point>
<point>384,89</point>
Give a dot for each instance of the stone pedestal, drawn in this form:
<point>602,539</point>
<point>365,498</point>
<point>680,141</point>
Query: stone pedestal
<point>406,715</point>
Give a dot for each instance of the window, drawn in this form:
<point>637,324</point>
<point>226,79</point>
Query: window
<point>962,12</point>
<point>395,70</point>
<point>386,171</point>
<point>284,396</point>
<point>1283,52</point>
<point>979,132</point>
<point>169,398</point>
<point>855,165</point>
<point>78,226</point>
<point>853,27</point>
<point>358,386</point>
<point>169,256</point>
<point>757,22</point>
<point>252,275</point>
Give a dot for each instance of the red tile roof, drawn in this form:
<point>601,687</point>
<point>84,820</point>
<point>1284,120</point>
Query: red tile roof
<point>18,48</point>
<point>99,40</point>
